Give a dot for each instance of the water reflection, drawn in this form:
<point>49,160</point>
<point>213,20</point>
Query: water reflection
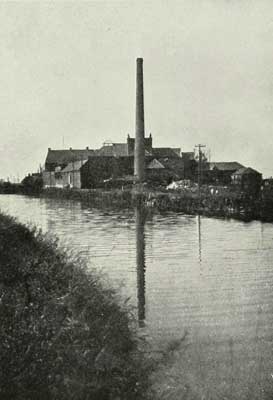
<point>199,238</point>
<point>140,262</point>
<point>209,277</point>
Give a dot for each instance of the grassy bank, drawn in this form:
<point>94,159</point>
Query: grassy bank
<point>62,334</point>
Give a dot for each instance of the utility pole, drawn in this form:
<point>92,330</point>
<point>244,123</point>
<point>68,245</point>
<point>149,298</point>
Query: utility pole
<point>199,146</point>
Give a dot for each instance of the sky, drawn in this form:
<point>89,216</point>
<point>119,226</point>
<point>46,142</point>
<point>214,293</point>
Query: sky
<point>67,77</point>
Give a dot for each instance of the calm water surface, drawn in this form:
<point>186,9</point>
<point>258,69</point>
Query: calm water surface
<point>208,279</point>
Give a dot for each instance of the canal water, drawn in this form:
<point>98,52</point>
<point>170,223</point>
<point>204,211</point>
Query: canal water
<point>208,281</point>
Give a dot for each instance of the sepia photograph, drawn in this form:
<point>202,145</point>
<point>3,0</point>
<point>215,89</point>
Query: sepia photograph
<point>136,200</point>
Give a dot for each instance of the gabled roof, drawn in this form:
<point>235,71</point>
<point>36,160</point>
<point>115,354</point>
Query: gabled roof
<point>120,149</point>
<point>177,150</point>
<point>173,164</point>
<point>160,152</point>
<point>66,156</point>
<point>117,150</point>
<point>63,157</point>
<point>245,171</point>
<point>114,150</point>
<point>155,164</point>
<point>106,151</point>
<point>225,166</point>
<point>74,166</point>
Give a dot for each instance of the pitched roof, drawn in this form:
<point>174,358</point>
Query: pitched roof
<point>106,151</point>
<point>177,150</point>
<point>155,164</point>
<point>114,150</point>
<point>244,171</point>
<point>61,157</point>
<point>226,166</point>
<point>67,156</point>
<point>117,150</point>
<point>173,164</point>
<point>120,149</point>
<point>160,152</point>
<point>74,166</point>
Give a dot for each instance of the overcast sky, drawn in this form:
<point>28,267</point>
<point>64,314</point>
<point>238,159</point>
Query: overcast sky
<point>67,72</point>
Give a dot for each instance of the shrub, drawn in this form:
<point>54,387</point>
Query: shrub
<point>32,184</point>
<point>10,188</point>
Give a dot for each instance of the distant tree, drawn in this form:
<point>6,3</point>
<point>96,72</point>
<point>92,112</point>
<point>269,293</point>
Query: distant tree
<point>9,188</point>
<point>32,183</point>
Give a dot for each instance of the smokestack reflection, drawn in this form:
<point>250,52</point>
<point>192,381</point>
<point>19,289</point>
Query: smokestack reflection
<point>199,238</point>
<point>140,262</point>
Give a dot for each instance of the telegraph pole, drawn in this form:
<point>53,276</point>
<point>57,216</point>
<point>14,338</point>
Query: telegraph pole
<point>199,146</point>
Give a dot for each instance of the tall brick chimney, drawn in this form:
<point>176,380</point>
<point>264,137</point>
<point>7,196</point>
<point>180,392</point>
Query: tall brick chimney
<point>139,169</point>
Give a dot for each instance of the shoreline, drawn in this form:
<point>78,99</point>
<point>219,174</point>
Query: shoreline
<point>235,206</point>
<point>64,332</point>
<point>163,373</point>
<point>231,205</point>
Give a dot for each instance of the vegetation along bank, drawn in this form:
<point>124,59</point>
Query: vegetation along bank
<point>63,334</point>
<point>214,201</point>
<point>225,203</point>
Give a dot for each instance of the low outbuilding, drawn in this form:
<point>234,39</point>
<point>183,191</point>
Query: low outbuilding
<point>72,174</point>
<point>247,179</point>
<point>220,172</point>
<point>68,177</point>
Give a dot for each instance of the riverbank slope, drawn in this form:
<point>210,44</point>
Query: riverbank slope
<point>63,335</point>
